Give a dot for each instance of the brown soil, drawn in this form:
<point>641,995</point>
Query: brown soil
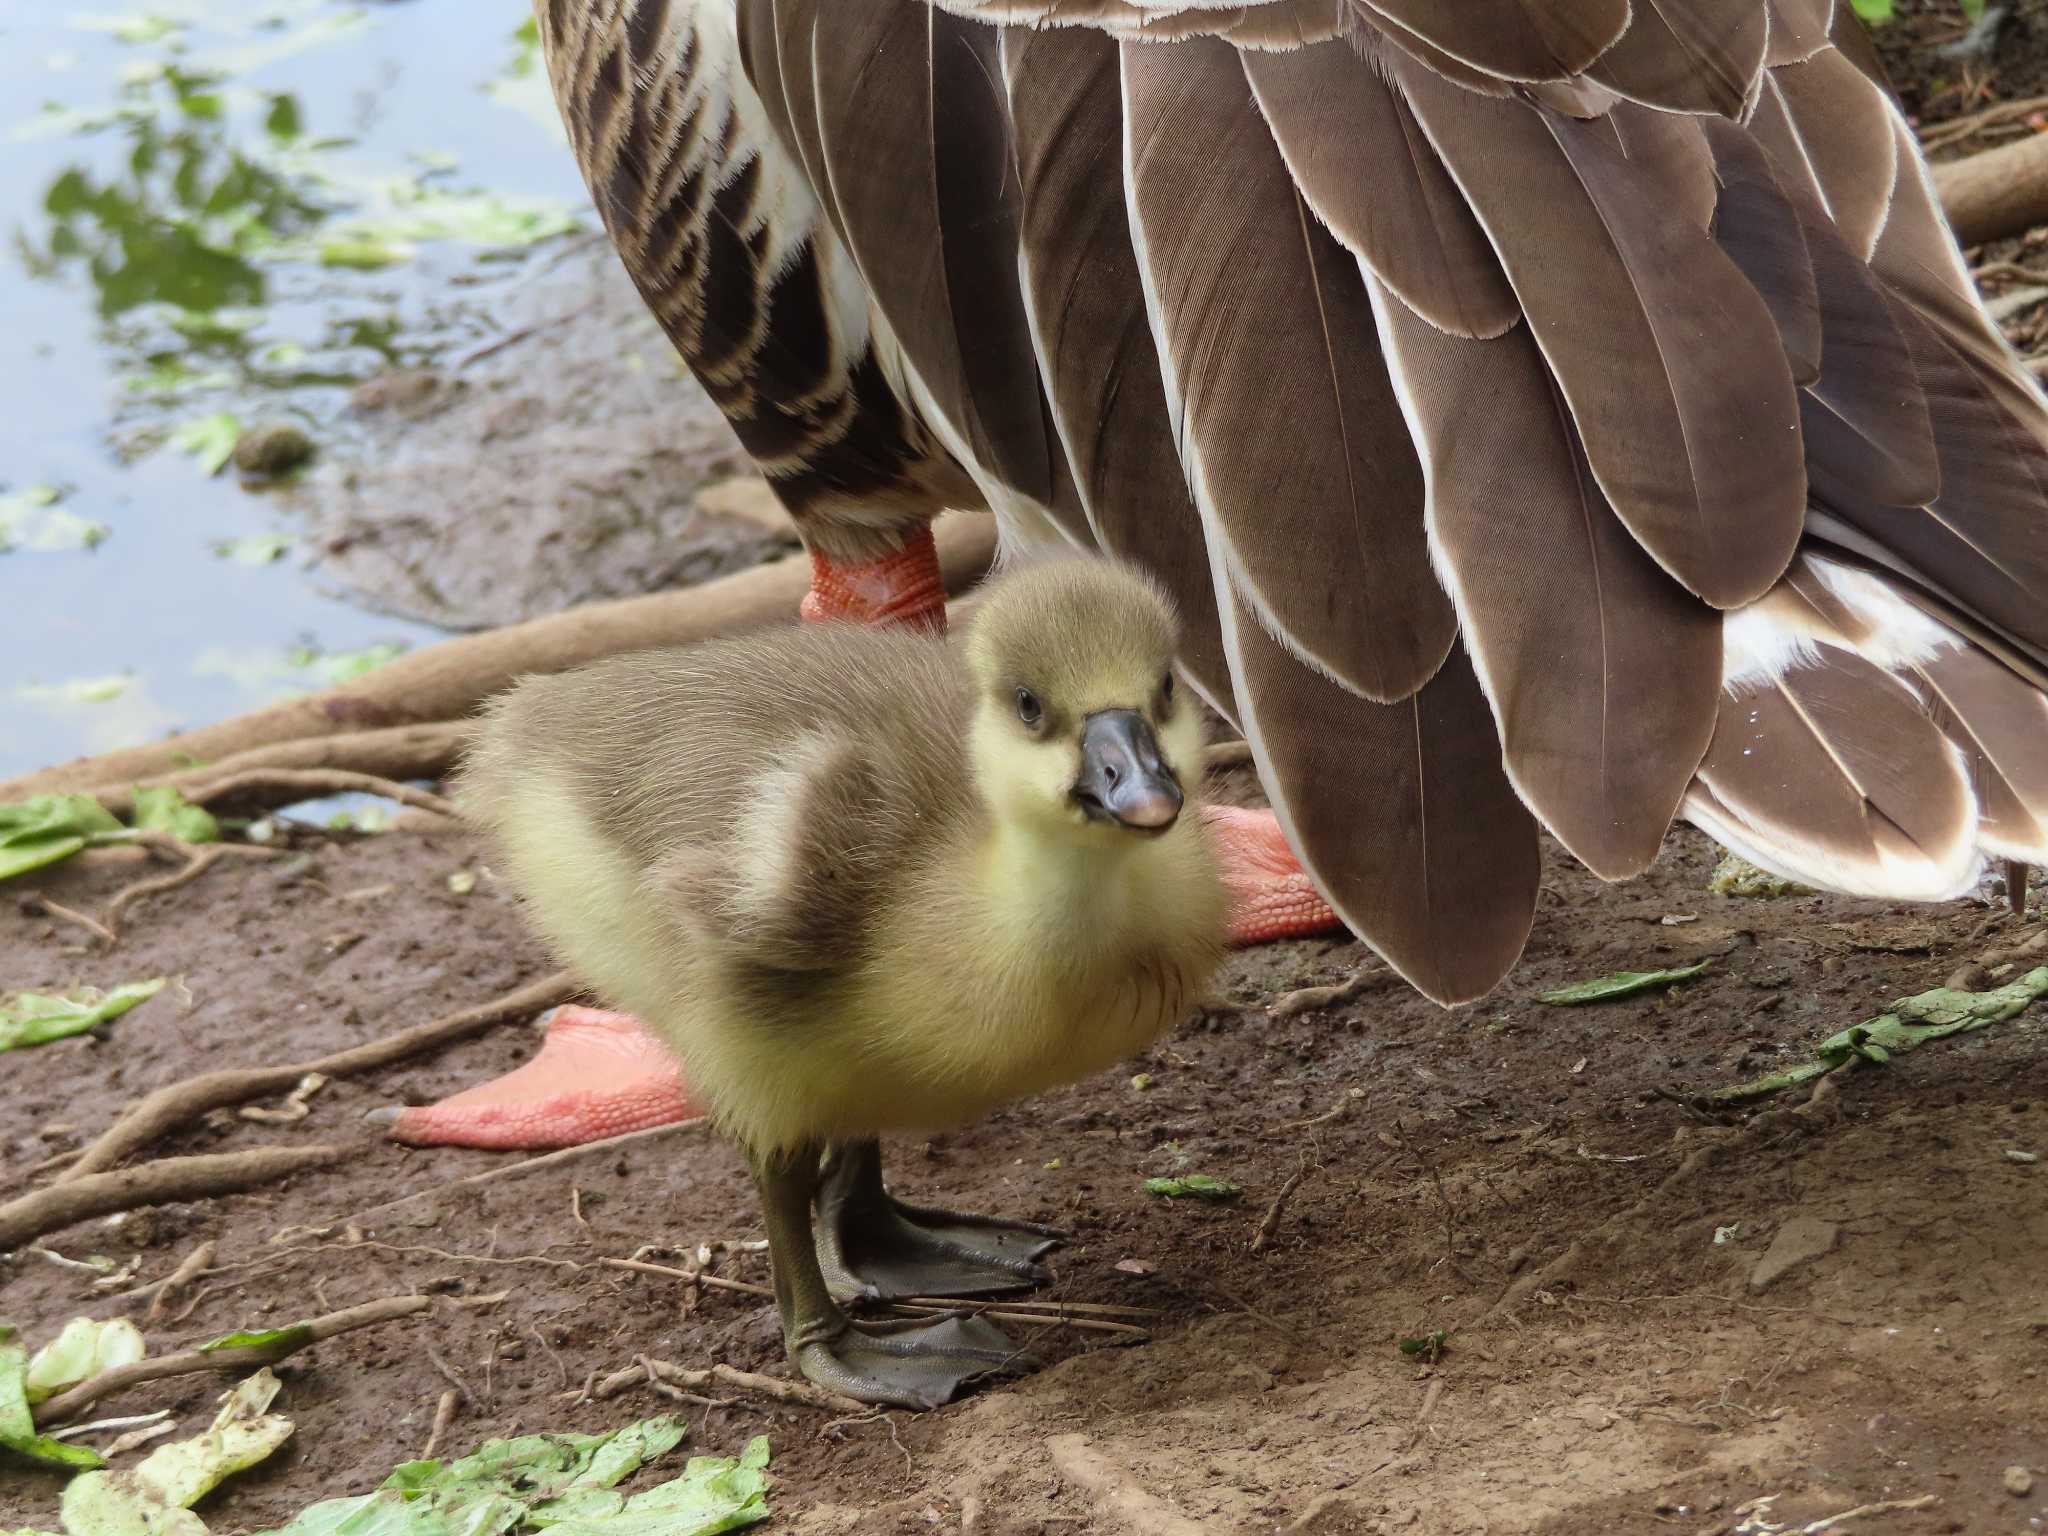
<point>1630,1381</point>
<point>1513,1173</point>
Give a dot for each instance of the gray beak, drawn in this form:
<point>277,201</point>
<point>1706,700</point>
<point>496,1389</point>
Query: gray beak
<point>1122,777</point>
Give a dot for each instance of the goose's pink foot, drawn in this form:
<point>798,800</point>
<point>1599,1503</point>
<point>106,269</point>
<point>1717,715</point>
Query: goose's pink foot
<point>598,1074</point>
<point>1271,895</point>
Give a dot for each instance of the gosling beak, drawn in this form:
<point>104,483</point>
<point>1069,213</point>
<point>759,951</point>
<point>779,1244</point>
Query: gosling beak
<point>1122,776</point>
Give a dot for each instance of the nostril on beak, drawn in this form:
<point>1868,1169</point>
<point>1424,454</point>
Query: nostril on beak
<point>1109,771</point>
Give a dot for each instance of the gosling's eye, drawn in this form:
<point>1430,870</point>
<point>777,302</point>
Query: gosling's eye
<point>1166,689</point>
<point>1029,710</point>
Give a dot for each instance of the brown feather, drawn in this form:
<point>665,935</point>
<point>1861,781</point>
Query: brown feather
<point>1825,114</point>
<point>913,127</point>
<point>1798,30</point>
<point>1756,224</point>
<point>2002,726</point>
<point>1510,39</point>
<point>1100,370</point>
<point>1688,55</point>
<point>1400,811</point>
<point>1279,391</point>
<point>1367,171</point>
<point>1603,746</point>
<point>1676,379</point>
<point>1838,772</point>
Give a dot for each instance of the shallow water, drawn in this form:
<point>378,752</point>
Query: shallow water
<point>228,208</point>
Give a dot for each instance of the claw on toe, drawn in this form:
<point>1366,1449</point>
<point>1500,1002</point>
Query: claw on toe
<point>1271,895</point>
<point>598,1074</point>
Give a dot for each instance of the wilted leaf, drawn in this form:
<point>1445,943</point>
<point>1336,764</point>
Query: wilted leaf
<point>18,1425</point>
<point>291,1336</point>
<point>79,690</point>
<point>151,1498</point>
<point>49,828</point>
<point>83,1348</point>
<point>162,808</point>
<point>1622,984</point>
<point>1428,1346</point>
<point>1907,1025</point>
<point>208,439</point>
<point>559,1483</point>
<point>362,253</point>
<point>35,1018</point>
<point>1193,1186</point>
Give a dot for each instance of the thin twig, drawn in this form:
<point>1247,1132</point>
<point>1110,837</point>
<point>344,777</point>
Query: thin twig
<point>999,1314</point>
<point>529,1165</point>
<point>202,857</point>
<point>1352,1097</point>
<point>85,920</point>
<point>452,1376</point>
<point>800,1394</point>
<point>1270,1222</point>
<point>171,1178</point>
<point>693,1276</point>
<point>321,781</point>
<point>1053,1309</point>
<point>1308,999</point>
<point>1889,1506</point>
<point>291,1341</point>
<point>178,1104</point>
<point>186,1272</point>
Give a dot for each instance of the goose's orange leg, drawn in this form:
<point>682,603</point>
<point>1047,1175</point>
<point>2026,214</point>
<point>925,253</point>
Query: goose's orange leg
<point>600,1074</point>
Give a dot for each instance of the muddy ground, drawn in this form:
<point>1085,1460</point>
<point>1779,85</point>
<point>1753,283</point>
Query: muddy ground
<point>1511,1172</point>
<point>1531,1179</point>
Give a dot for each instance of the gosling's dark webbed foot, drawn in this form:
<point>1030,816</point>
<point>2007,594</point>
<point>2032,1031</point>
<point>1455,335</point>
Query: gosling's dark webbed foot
<point>909,1364</point>
<point>875,1247</point>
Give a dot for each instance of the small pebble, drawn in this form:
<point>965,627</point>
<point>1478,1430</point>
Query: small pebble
<point>2019,1482</point>
<point>275,449</point>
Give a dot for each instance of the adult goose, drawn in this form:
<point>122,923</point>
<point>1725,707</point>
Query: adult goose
<point>1562,413</point>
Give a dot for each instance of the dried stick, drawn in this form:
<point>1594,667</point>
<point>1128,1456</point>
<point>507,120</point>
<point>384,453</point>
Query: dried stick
<point>85,920</point>
<point>199,1258</point>
<point>171,1178</point>
<point>179,1103</point>
<point>1308,999</point>
<point>306,783</point>
<point>997,1314</point>
<point>1270,1222</point>
<point>798,1394</point>
<point>528,1165</point>
<point>199,863</point>
<point>444,1415</point>
<point>446,681</point>
<point>122,1377</point>
<point>692,1276</point>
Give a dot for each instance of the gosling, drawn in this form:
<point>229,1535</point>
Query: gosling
<point>864,881</point>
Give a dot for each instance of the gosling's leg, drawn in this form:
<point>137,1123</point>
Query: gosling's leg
<point>597,1083</point>
<point>909,1364</point>
<point>873,1246</point>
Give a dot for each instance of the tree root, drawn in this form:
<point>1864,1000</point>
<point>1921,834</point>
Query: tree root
<point>202,857</point>
<point>286,784</point>
<point>445,682</point>
<point>179,1103</point>
<point>397,752</point>
<point>302,1336</point>
<point>73,1199</point>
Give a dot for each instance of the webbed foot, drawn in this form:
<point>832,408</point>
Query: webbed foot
<point>1271,895</point>
<point>597,1074</point>
<point>914,1363</point>
<point>874,1247</point>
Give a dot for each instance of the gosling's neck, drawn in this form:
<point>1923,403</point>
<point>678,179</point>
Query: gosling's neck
<point>1083,886</point>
